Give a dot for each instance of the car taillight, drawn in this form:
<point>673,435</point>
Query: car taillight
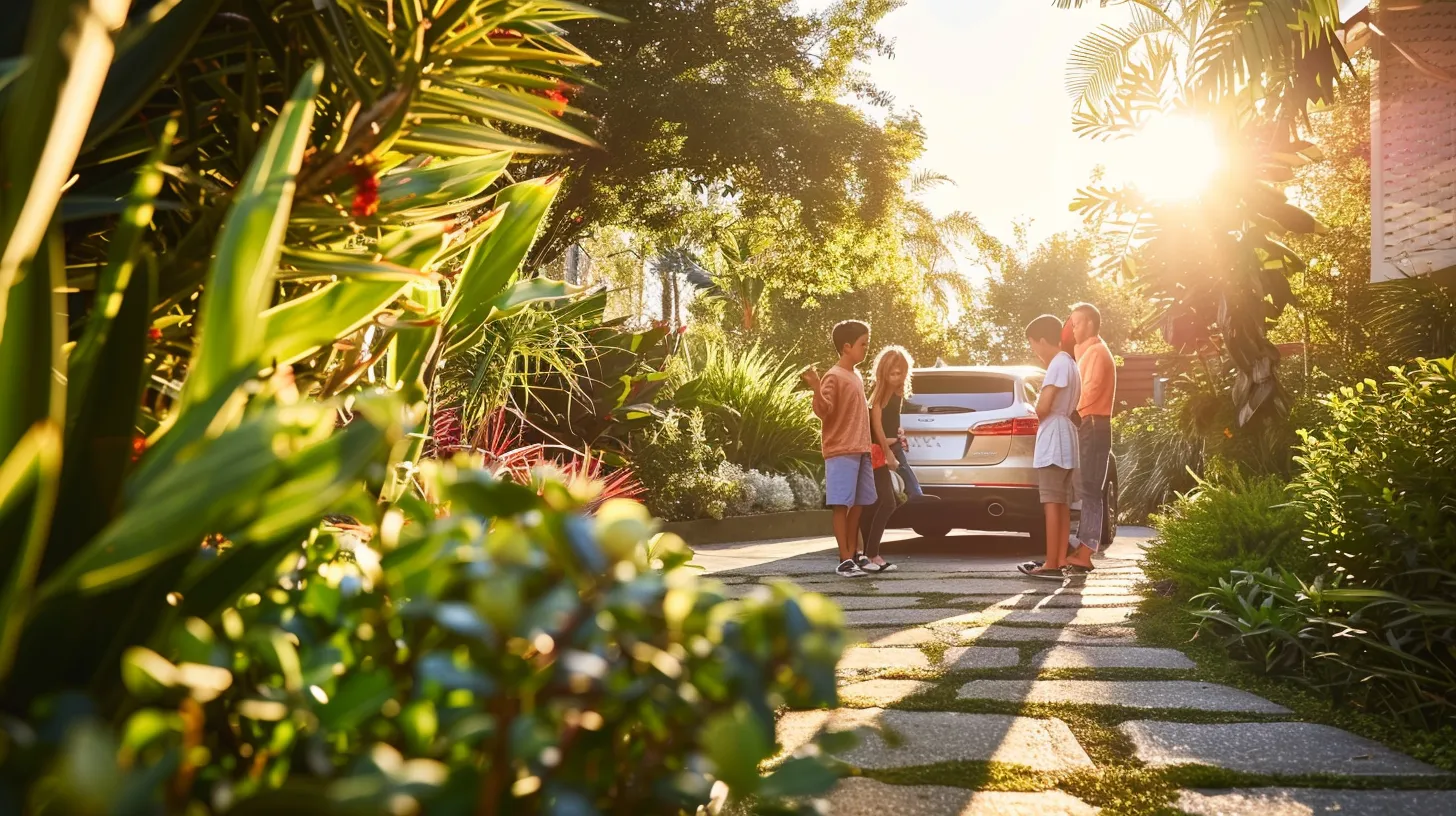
<point>1023,426</point>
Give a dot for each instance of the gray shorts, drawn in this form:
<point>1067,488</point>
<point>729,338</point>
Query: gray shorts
<point>849,481</point>
<point>1058,485</point>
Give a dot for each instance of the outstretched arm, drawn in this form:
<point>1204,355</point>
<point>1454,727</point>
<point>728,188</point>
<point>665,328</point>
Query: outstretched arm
<point>824,398</point>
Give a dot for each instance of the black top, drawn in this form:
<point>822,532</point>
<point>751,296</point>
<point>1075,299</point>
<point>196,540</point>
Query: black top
<point>890,418</point>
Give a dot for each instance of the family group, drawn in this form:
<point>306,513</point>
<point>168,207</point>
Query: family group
<point>864,445</point>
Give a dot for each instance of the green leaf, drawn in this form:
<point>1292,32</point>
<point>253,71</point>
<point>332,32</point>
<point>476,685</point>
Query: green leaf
<point>29,480</point>
<point>492,262</point>
<point>48,108</point>
<point>410,188</point>
<point>240,281</point>
<point>294,330</point>
<point>359,696</point>
<point>500,106</point>
<point>216,482</point>
<point>150,54</point>
<point>444,139</point>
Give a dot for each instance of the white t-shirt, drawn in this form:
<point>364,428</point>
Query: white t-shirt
<point>1056,436</point>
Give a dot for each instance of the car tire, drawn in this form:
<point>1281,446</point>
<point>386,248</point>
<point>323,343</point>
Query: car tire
<point>933,532</point>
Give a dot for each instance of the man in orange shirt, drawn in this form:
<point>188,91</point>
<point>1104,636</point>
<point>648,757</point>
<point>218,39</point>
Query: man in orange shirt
<point>1099,385</point>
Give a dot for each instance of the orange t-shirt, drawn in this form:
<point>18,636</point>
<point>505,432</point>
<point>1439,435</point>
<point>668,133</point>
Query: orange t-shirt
<point>1099,377</point>
<point>841,405</point>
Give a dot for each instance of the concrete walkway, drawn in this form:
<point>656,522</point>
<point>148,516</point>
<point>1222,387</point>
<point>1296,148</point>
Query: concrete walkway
<point>980,692</point>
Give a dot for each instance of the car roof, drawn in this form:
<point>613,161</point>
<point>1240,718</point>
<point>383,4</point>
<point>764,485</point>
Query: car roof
<point>1022,371</point>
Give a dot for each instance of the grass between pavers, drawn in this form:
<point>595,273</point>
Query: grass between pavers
<point>1163,622</point>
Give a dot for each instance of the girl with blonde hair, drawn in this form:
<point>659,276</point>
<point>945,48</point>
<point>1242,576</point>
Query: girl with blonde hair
<point>892,384</point>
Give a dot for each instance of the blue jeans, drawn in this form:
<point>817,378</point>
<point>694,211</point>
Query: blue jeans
<point>1094,441</point>
<point>912,484</point>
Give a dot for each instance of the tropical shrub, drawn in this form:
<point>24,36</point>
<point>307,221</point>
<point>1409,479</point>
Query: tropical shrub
<point>1375,496</point>
<point>745,491</point>
<point>808,492</point>
<point>1232,523</point>
<point>678,469</point>
<point>493,653</point>
<point>1377,485</point>
<point>1370,648</point>
<point>753,407</point>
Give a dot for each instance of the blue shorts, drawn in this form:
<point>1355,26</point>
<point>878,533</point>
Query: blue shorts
<point>849,480</point>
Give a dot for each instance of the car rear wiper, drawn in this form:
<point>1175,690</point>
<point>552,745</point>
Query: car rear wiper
<point>950,409</point>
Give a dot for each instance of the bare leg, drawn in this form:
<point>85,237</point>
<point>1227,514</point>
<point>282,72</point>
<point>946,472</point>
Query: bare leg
<point>853,527</point>
<point>1057,521</point>
<point>845,531</point>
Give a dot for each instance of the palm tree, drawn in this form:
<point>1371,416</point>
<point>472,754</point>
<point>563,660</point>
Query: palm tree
<point>932,243</point>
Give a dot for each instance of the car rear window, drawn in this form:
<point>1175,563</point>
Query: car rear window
<point>960,393</point>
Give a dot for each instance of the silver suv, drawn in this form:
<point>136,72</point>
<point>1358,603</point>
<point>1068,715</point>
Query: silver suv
<point>970,433</point>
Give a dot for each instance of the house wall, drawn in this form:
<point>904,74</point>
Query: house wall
<point>1413,141</point>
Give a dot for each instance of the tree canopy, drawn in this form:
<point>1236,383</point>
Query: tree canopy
<point>746,97</point>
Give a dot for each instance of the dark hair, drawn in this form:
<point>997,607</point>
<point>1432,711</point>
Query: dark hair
<point>1091,312</point>
<point>1047,327</point>
<point>848,331</point>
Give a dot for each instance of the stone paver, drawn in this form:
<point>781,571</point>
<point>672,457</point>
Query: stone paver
<point>890,602</point>
<point>866,797</point>
<point>861,658</point>
<point>1111,657</point>
<point>1313,802</point>
<point>1115,635</point>
<point>928,737</point>
<point>1268,748</point>
<point>1059,601</point>
<point>981,657</point>
<point>1171,694</point>
<point>882,692</point>
<point>892,636</point>
<point>1086,616</point>
<point>881,617</point>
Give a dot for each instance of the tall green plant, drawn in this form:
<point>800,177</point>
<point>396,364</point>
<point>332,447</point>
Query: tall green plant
<point>753,407</point>
<point>280,248</point>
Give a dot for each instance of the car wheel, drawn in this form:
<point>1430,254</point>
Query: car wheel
<point>932,532</point>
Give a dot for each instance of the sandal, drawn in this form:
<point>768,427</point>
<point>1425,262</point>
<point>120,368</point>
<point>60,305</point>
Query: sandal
<point>870,566</point>
<point>1040,571</point>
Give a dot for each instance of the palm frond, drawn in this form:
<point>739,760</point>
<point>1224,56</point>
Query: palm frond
<point>922,180</point>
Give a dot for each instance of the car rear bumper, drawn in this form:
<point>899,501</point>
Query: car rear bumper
<point>982,507</point>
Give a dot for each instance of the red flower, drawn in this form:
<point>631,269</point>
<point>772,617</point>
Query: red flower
<point>366,190</point>
<point>505,34</point>
<point>683,329</point>
<point>154,334</point>
<point>138,446</point>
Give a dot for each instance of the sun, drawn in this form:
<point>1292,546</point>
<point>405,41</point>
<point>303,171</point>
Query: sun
<point>1172,158</point>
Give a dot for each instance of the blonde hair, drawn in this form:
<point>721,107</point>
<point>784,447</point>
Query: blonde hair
<point>888,356</point>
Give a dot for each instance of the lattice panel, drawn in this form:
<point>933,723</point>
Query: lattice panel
<point>1414,145</point>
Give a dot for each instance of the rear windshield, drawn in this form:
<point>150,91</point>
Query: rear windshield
<point>960,393</point>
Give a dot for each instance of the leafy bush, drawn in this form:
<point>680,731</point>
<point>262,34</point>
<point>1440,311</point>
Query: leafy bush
<point>678,470</point>
<point>808,492</point>
<point>1235,523</point>
<point>753,408</point>
<point>1364,647</point>
<point>1377,485</point>
<point>771,493</point>
<point>498,652</point>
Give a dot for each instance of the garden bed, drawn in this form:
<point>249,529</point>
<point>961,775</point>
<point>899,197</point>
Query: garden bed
<point>761,527</point>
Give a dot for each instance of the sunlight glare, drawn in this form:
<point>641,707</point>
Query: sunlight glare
<point>1173,157</point>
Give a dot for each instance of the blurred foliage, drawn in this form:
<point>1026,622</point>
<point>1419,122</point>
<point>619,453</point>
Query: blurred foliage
<point>274,223</point>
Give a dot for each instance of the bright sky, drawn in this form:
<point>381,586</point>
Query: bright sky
<point>987,77</point>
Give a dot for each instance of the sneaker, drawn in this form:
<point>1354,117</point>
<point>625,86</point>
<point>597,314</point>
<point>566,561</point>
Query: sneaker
<point>849,569</point>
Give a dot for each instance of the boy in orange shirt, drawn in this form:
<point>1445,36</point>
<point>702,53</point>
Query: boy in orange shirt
<point>840,404</point>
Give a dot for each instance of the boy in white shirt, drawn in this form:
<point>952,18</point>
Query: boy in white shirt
<point>1056,448</point>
